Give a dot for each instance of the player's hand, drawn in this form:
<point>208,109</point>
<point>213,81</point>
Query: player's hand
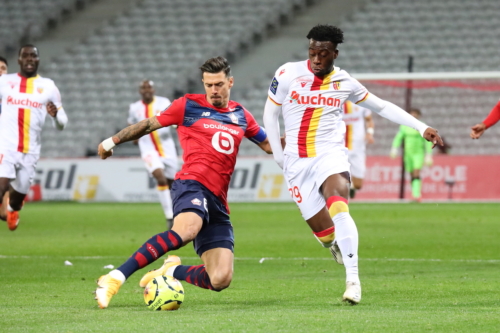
<point>51,109</point>
<point>428,160</point>
<point>103,154</point>
<point>369,138</point>
<point>394,152</point>
<point>477,130</point>
<point>432,135</point>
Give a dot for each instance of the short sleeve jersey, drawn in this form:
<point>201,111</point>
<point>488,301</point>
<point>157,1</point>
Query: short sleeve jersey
<point>23,111</point>
<point>210,138</point>
<point>156,141</point>
<point>312,106</point>
<point>354,119</point>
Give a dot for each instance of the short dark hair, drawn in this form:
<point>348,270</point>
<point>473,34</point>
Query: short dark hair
<point>216,65</point>
<point>416,110</point>
<point>326,33</point>
<point>27,45</point>
<point>2,59</point>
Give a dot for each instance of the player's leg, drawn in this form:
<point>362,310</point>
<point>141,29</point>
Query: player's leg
<point>188,221</point>
<point>4,194</point>
<point>19,187</point>
<point>215,245</point>
<point>163,188</point>
<point>357,160</point>
<point>185,228</point>
<point>415,164</point>
<point>8,160</point>
<point>335,191</point>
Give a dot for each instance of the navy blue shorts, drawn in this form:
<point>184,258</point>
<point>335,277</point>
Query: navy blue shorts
<point>217,230</point>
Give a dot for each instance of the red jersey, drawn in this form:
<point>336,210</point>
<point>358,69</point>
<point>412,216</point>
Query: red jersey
<point>210,137</point>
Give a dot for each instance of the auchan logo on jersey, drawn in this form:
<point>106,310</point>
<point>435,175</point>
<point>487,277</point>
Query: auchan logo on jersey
<point>314,100</point>
<point>24,102</point>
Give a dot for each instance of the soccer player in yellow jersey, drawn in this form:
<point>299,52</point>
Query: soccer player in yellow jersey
<point>157,148</point>
<point>310,94</point>
<point>26,100</point>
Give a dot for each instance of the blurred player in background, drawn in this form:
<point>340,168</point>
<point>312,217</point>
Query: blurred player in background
<point>26,99</point>
<point>478,130</point>
<point>4,67</point>
<point>310,94</point>
<point>359,131</point>
<point>210,129</point>
<point>417,152</point>
<point>158,148</point>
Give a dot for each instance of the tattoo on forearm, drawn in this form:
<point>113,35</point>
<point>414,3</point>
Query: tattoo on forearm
<point>136,131</point>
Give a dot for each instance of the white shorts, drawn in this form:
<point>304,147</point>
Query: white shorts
<point>20,168</point>
<point>153,161</point>
<point>306,175</point>
<point>357,160</point>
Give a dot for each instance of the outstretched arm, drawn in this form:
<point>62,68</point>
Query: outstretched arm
<point>400,116</point>
<point>271,115</point>
<point>129,133</point>
<point>478,129</point>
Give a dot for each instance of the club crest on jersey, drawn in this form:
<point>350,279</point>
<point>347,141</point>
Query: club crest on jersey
<point>12,85</point>
<point>314,100</point>
<point>303,81</point>
<point>234,119</point>
<point>40,90</point>
<point>274,85</point>
<point>336,85</point>
<point>196,202</point>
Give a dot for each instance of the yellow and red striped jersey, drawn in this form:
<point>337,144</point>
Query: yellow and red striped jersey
<point>159,141</point>
<point>354,119</point>
<point>23,111</point>
<point>312,106</point>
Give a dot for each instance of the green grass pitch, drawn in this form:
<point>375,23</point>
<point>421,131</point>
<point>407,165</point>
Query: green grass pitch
<point>423,268</point>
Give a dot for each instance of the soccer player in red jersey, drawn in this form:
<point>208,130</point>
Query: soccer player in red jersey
<point>478,129</point>
<point>210,128</point>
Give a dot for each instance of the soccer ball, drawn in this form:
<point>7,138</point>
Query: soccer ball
<point>164,293</point>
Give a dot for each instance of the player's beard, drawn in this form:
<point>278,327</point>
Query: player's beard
<point>217,102</point>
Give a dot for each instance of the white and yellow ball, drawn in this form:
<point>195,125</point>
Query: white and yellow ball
<point>164,293</point>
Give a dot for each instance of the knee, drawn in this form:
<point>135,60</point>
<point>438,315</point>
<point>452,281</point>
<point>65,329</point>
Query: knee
<point>220,280</point>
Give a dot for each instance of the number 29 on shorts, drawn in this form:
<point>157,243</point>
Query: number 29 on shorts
<point>295,193</point>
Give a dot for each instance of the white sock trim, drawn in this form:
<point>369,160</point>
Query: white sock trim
<point>170,271</point>
<point>9,208</point>
<point>116,274</point>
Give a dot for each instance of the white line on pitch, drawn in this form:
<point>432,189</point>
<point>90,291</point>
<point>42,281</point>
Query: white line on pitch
<point>259,259</point>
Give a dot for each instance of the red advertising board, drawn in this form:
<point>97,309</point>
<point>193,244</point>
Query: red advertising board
<point>473,178</point>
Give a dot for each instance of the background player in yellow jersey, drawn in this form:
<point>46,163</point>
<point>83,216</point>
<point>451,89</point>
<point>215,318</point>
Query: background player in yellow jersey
<point>359,132</point>
<point>157,148</point>
<point>417,151</point>
<point>26,100</point>
<point>310,94</point>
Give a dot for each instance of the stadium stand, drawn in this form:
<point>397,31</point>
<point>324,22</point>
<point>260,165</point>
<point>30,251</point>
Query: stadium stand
<point>442,36</point>
<point>163,41</point>
<point>28,20</point>
<point>166,42</point>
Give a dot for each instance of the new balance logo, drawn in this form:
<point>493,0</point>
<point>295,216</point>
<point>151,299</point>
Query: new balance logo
<point>205,114</point>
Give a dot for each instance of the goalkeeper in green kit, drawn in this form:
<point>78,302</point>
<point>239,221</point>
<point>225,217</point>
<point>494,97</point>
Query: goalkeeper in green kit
<point>417,152</point>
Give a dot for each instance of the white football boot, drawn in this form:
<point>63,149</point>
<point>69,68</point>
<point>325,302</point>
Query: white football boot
<point>352,292</point>
<point>335,251</point>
